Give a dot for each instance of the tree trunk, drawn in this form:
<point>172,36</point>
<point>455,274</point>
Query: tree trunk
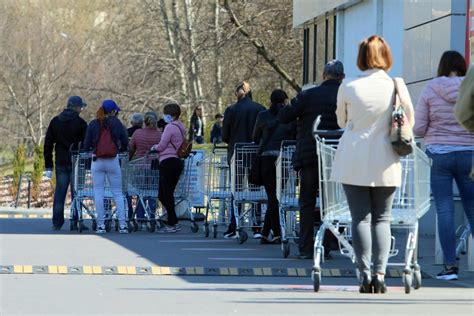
<point>172,34</point>
<point>217,41</point>
<point>194,67</point>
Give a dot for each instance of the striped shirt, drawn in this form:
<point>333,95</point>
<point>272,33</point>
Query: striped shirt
<point>142,141</point>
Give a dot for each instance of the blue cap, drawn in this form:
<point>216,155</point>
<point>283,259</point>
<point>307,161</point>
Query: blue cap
<point>75,101</point>
<point>109,106</point>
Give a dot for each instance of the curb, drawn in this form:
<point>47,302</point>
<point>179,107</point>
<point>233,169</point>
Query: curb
<point>182,271</point>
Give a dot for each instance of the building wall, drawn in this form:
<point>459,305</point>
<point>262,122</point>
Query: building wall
<point>418,32</point>
<point>431,27</point>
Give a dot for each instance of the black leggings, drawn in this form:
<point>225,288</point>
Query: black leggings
<point>272,218</point>
<point>170,171</point>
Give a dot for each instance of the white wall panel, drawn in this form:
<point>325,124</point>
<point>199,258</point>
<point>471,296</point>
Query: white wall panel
<point>417,12</point>
<point>393,33</point>
<point>417,53</point>
<point>440,41</point>
<point>355,31</point>
<point>415,90</point>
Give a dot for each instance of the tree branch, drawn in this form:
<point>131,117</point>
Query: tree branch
<point>261,49</point>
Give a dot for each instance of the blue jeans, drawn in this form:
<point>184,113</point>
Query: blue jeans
<point>446,168</point>
<point>63,178</point>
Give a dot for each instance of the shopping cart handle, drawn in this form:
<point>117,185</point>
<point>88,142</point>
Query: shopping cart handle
<point>328,133</point>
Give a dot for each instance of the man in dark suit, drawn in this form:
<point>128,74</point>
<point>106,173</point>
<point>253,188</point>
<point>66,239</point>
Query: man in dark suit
<point>304,108</point>
<point>237,127</point>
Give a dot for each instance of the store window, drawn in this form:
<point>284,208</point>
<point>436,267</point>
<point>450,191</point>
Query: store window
<point>319,47</point>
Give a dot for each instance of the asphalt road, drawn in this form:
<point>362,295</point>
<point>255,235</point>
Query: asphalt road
<point>29,242</point>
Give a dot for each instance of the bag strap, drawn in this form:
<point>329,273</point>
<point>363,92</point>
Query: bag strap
<point>182,134</point>
<point>396,104</point>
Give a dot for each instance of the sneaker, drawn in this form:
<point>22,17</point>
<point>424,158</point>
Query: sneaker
<point>167,229</point>
<point>100,229</point>
<point>257,235</point>
<point>177,227</point>
<point>230,235</point>
<point>123,229</point>
<point>229,231</point>
<point>449,273</point>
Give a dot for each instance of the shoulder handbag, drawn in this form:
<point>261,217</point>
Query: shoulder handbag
<point>401,135</point>
<point>186,146</point>
<point>105,145</point>
<point>255,173</point>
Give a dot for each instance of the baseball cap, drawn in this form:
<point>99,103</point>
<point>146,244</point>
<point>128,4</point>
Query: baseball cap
<point>334,67</point>
<point>109,106</point>
<point>75,101</point>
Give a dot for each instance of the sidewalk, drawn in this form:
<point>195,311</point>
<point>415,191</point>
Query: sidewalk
<point>426,259</point>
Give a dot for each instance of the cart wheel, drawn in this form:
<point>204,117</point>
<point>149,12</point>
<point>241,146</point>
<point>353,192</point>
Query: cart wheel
<point>417,279</point>
<point>150,226</point>
<point>285,248</point>
<point>107,226</point>
<point>134,225</point>
<point>214,231</point>
<point>194,227</point>
<point>94,225</point>
<point>79,226</point>
<point>316,276</point>
<point>242,237</point>
<point>206,230</point>
<point>116,225</point>
<point>407,280</point>
<point>129,226</point>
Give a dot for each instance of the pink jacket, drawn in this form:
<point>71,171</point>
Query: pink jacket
<point>434,114</point>
<point>173,133</point>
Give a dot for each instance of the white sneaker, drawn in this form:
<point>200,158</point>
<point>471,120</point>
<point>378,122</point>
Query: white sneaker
<point>100,229</point>
<point>123,229</point>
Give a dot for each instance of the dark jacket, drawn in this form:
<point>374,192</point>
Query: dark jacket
<point>117,130</point>
<point>239,120</point>
<point>304,108</point>
<point>194,127</point>
<point>216,133</point>
<point>64,130</point>
<point>269,133</point>
<point>132,130</point>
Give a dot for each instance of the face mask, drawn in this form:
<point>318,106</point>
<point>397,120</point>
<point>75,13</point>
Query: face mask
<point>167,118</point>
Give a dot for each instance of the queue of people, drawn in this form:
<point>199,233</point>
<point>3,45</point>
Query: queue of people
<point>365,163</point>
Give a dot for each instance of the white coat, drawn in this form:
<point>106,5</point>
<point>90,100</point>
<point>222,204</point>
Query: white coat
<point>365,156</point>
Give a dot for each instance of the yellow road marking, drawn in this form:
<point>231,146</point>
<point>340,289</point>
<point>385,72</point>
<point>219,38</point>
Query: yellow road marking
<point>97,269</point>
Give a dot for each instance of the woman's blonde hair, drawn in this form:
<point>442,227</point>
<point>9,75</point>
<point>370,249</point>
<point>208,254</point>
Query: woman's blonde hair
<point>374,52</point>
<point>150,119</point>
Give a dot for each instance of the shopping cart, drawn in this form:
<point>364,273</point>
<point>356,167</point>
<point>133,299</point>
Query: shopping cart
<point>83,190</point>
<point>243,192</point>
<point>182,191</point>
<point>287,188</point>
<point>411,202</point>
<point>143,180</point>
<point>219,196</point>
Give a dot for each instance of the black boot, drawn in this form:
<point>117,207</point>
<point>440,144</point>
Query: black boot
<point>378,282</point>
<point>366,285</point>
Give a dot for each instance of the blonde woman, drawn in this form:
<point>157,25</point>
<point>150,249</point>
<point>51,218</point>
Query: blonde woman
<point>365,162</point>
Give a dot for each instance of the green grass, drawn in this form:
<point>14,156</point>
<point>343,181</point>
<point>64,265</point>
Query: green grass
<point>7,169</point>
